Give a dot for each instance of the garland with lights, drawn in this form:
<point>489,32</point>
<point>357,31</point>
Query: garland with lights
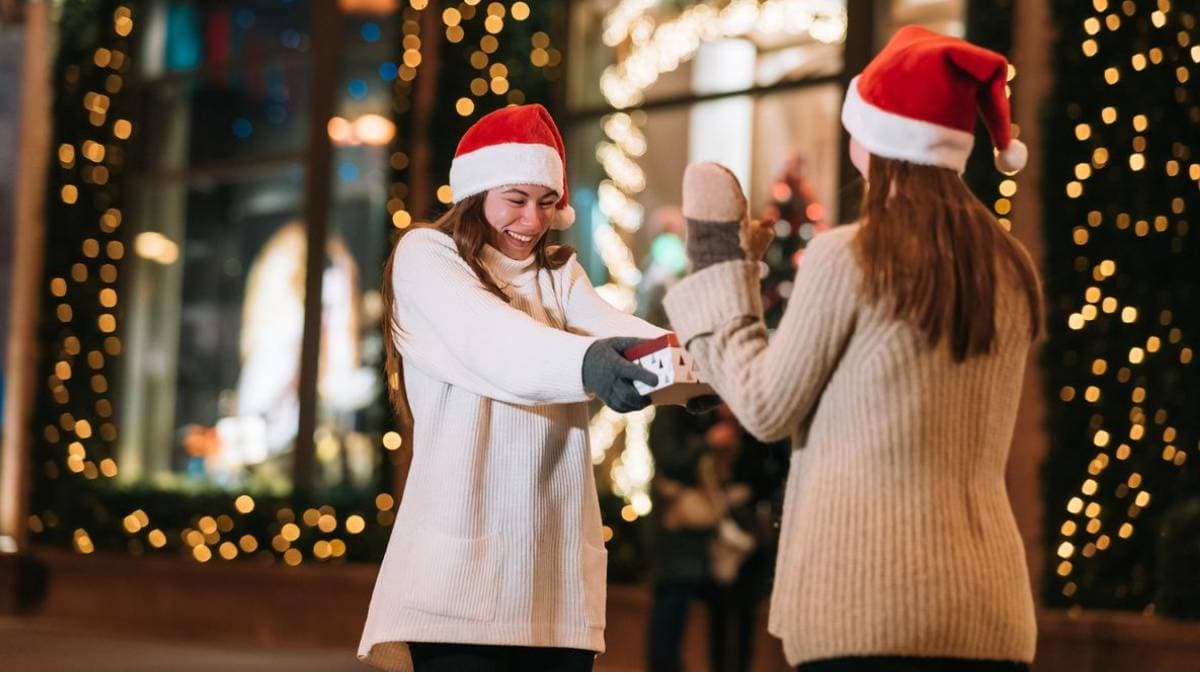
<point>75,502</point>
<point>1122,484</point>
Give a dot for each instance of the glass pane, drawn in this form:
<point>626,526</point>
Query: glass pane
<point>352,416</point>
<point>209,392</point>
<point>623,54</point>
<point>222,81</point>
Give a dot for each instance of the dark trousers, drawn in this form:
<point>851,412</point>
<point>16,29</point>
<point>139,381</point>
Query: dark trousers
<point>732,614</point>
<point>442,657</point>
<point>909,664</point>
<point>668,616</point>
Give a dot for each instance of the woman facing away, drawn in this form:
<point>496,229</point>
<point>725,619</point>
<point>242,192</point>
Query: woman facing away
<point>896,370</point>
<point>496,559</point>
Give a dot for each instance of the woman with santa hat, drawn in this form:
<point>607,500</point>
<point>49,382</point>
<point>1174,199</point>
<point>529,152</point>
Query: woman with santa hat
<point>896,371</point>
<point>496,559</point>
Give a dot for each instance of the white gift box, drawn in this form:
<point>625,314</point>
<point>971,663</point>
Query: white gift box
<point>679,378</point>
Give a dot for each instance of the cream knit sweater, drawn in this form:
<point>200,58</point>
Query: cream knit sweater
<point>497,539</point>
<point>897,535</point>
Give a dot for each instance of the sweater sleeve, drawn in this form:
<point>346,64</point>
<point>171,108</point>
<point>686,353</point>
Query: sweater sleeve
<point>455,330</point>
<point>589,314</point>
<point>773,386</point>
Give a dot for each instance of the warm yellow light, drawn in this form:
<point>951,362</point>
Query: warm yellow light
<point>1066,549</point>
<point>1109,115</point>
<point>384,501</point>
<point>392,440</point>
<point>451,16</point>
<point>520,10</point>
<point>248,543</point>
<point>1075,505</point>
<point>228,550</point>
<point>445,194</point>
<point>355,524</point>
<point>244,504</point>
<point>1101,438</point>
<point>311,516</point>
<point>293,556</point>
<point>290,532</point>
<point>464,106</point>
<point>321,550</point>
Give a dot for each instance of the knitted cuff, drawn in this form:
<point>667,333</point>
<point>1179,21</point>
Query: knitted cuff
<point>709,243</point>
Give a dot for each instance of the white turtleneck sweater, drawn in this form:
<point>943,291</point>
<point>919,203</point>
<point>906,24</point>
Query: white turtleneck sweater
<point>497,539</point>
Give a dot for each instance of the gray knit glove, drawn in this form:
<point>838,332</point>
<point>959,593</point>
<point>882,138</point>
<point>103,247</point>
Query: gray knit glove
<point>715,209</point>
<point>610,376</point>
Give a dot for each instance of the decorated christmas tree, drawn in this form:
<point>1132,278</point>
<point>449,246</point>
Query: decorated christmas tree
<point>797,217</point>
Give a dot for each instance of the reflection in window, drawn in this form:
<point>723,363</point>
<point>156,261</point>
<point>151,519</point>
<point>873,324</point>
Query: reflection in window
<point>218,291</point>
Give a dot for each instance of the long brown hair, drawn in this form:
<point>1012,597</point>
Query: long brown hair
<point>931,250</point>
<point>467,225</point>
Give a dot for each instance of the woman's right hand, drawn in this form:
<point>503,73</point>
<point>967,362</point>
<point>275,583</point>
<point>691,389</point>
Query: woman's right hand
<point>610,376</point>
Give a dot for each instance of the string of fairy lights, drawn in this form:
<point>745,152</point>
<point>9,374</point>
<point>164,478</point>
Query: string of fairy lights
<point>86,172</point>
<point>1134,432</point>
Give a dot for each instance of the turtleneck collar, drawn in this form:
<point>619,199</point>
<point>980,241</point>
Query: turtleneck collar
<point>506,271</point>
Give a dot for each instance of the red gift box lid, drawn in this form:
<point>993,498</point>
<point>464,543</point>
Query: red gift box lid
<point>648,347</point>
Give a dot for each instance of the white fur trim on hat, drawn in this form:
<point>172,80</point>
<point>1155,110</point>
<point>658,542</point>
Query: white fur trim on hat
<point>1013,158</point>
<point>494,166</point>
<point>564,218</point>
<point>894,136</point>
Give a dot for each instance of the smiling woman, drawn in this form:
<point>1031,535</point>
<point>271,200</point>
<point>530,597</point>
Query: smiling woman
<point>503,340</point>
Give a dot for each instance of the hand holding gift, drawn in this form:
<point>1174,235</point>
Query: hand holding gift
<point>678,376</point>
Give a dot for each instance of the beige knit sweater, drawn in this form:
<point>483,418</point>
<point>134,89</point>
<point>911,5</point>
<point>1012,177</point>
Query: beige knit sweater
<point>897,538</point>
<point>498,538</point>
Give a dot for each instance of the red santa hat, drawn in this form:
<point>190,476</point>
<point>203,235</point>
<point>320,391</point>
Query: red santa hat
<point>917,99</point>
<point>511,146</point>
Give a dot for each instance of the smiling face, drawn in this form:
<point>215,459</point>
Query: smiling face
<point>519,216</point>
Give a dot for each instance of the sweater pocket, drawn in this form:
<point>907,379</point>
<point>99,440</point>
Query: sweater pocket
<point>595,579</point>
<point>453,577</point>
